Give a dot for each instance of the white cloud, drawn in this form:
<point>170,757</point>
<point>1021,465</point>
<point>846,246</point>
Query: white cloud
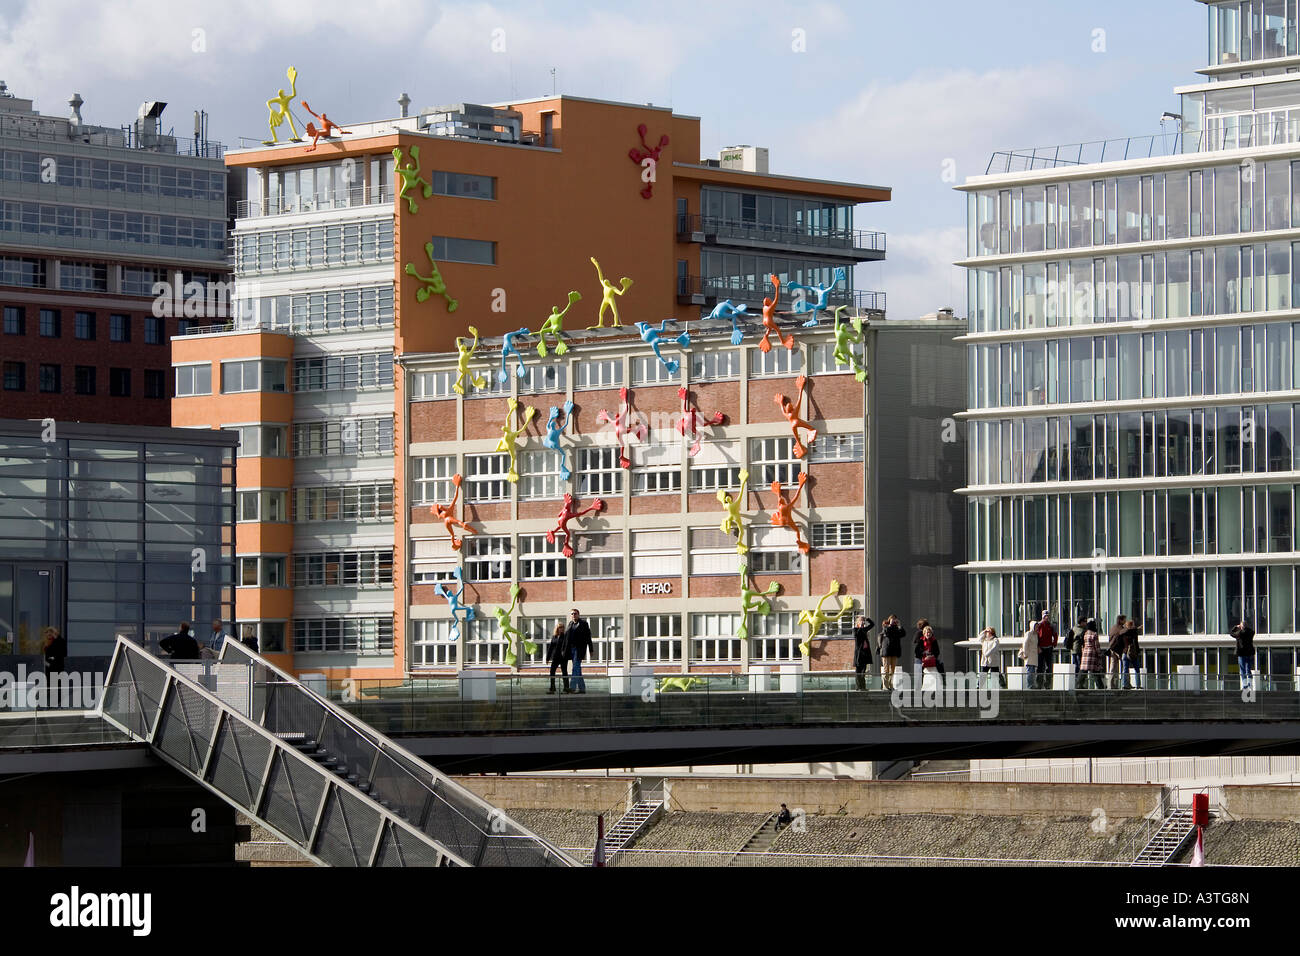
<point>919,276</point>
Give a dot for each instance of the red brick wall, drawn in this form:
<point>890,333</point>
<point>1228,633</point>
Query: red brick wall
<point>433,421</point>
<point>831,396</point>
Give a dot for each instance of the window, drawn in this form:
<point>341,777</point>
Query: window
<point>493,387</point>
<point>656,554</point>
<point>155,383</point>
<point>83,276</point>
<point>486,559</point>
<point>84,325</point>
<point>772,459</point>
<point>23,272</point>
<point>475,251</point>
<point>433,560</point>
<point>51,327</point>
<point>119,328</point>
<point>193,380</point>
<point>358,371</point>
<point>262,571</point>
<point>485,477</point>
<point>51,378</point>
<point>359,635</point>
<point>463,184</point>
<point>355,436</point>
<point>484,645</point>
<point>606,639</point>
<point>598,554</point>
<point>648,370</point>
<point>269,635</point>
<point>715,366</point>
<point>599,473</point>
<point>366,501</point>
<point>713,552</point>
<point>539,630</point>
<point>836,448</point>
<point>344,569</point>
<point>773,551</point>
<point>659,467</point>
<point>541,560</point>
<point>540,475</point>
<point>153,330</point>
<point>268,506</point>
<point>605,373</point>
<point>713,638</point>
<point>779,361</point>
<point>656,638</point>
<point>838,534</point>
<point>15,376</point>
<point>774,637</point>
<point>262,441</point>
<point>821,359</point>
<point>426,385</point>
<point>544,378</point>
<point>431,479</point>
<point>253,375</point>
<point>85,379</point>
<point>716,467</point>
<point>15,320</point>
<point>119,382</point>
<point>433,644</point>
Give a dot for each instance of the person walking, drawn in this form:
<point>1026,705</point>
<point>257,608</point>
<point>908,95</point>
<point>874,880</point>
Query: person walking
<point>891,648</point>
<point>577,639</point>
<point>1092,668</point>
<point>1243,635</point>
<point>1115,653</point>
<point>181,646</point>
<point>990,658</point>
<point>862,649</point>
<point>1029,654</point>
<point>1132,656</point>
<point>1047,641</point>
<point>557,654</point>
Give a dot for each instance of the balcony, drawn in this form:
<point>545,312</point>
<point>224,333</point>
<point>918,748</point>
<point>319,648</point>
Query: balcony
<point>858,245</point>
<point>700,290</point>
<point>340,199</point>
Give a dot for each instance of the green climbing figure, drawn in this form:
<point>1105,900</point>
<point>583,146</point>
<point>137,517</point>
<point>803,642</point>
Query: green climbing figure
<point>815,619</point>
<point>410,173</point>
<point>510,435</point>
<point>432,284</point>
<point>844,342</point>
<point>734,522</point>
<point>554,325</point>
<point>512,634</point>
<point>752,601</point>
<point>607,297</point>
<point>462,363</point>
<point>278,106</point>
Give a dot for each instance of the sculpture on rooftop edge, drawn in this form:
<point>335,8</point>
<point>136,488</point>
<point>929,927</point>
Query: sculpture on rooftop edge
<point>447,515</point>
<point>791,412</point>
<point>848,335</point>
<point>608,292</point>
<point>783,511</point>
<point>554,325</point>
<point>652,336</point>
<point>567,514</point>
<point>801,305</point>
<point>752,601</point>
<point>733,522</point>
<point>512,634</point>
<point>509,436</point>
<point>815,619</point>
<point>769,320</point>
<point>692,421</point>
<point>278,107</point>
<point>627,424</point>
<point>410,176</point>
<point>648,159</point>
<point>509,348</point>
<point>432,284</point>
<point>553,429</point>
<point>726,309</point>
<point>328,128</point>
<point>459,612</point>
<point>462,364</point>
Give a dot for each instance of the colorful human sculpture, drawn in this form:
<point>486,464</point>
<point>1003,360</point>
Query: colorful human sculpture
<point>801,306</point>
<point>769,320</point>
<point>607,298</point>
<point>432,284</point>
<point>640,155</point>
<point>847,335</point>
<point>815,619</point>
<point>692,421</point>
<point>447,515</point>
<point>727,309</point>
<point>733,522</point>
<point>509,348</point>
<point>328,128</point>
<point>278,107</point>
<point>459,612</point>
<point>410,176</point>
<point>511,633</point>
<point>783,511</point>
<point>751,601</point>
<point>462,364</point>
<point>652,337</point>
<point>679,683</point>
<point>791,412</point>
<point>627,424</point>
<point>567,514</point>
<point>552,440</point>
<point>509,436</point>
<point>554,325</point>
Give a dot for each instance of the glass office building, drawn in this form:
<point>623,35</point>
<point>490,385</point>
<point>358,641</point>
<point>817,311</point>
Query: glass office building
<point>1134,376</point>
<point>111,530</point>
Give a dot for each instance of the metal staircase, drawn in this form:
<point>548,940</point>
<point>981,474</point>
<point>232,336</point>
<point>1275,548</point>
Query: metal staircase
<point>312,774</point>
<point>630,826</point>
<point>1174,831</point>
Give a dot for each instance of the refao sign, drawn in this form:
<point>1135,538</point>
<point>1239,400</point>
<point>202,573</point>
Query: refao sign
<point>657,587</point>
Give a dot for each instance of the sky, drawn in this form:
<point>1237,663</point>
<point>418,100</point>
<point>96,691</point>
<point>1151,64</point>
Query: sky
<point>911,95</point>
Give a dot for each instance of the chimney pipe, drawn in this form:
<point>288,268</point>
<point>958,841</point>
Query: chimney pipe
<point>404,103</point>
<point>76,104</point>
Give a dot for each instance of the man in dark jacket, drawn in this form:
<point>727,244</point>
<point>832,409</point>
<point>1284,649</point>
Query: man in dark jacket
<point>181,646</point>
<point>1115,654</point>
<point>1132,654</point>
<point>557,655</point>
<point>578,641</point>
<point>862,649</point>
<point>1244,637</point>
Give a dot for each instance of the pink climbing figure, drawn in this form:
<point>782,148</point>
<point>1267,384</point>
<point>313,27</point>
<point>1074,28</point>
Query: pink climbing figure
<point>691,421</point>
<point>447,515</point>
<point>791,412</point>
<point>783,511</point>
<point>627,424</point>
<point>769,320</point>
<point>639,155</point>
<point>328,128</point>
<point>567,514</point>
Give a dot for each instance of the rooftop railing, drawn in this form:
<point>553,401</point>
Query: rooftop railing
<point>342,199</point>
<point>743,291</point>
<point>847,239</point>
<point>51,129</point>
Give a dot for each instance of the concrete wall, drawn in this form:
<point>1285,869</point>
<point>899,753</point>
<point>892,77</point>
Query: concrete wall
<point>522,792</point>
<point>1263,803</point>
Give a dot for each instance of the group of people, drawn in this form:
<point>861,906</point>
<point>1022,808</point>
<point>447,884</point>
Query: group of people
<point>889,647</point>
<point>183,646</point>
<point>569,645</point>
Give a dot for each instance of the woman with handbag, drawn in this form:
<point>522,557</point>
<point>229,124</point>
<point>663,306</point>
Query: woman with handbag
<point>990,658</point>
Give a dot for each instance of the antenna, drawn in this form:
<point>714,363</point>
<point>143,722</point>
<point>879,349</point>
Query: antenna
<point>552,81</point>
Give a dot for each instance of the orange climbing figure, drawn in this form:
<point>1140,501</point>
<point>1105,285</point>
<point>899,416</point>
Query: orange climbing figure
<point>791,413</point>
<point>447,515</point>
<point>326,126</point>
<point>769,320</point>
<point>607,298</point>
<point>278,106</point>
<point>783,511</point>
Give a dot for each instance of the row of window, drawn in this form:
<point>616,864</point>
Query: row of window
<point>364,501</point>
<point>359,370</point>
<point>341,183</point>
<point>103,225</point>
<point>350,635</point>
<point>314,247</point>
<point>354,436</point>
<point>358,309</point>
<point>26,166</point>
<point>364,568</point>
<point>50,380</point>
<point>85,325</point>
<point>747,275</point>
<point>806,216</point>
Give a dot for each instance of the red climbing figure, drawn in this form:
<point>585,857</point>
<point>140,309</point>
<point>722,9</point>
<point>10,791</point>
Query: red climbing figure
<point>447,515</point>
<point>328,128</point>
<point>626,424</point>
<point>640,155</point>
<point>783,511</point>
<point>691,421</point>
<point>791,413</point>
<point>769,320</point>
<point>566,515</point>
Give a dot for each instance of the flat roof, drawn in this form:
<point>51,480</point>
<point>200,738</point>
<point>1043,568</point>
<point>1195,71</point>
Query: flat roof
<point>93,431</point>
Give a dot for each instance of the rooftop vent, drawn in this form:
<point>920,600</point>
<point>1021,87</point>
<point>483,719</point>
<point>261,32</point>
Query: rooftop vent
<point>750,159</point>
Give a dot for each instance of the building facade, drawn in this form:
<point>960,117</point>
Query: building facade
<point>95,222</point>
<point>1134,368</point>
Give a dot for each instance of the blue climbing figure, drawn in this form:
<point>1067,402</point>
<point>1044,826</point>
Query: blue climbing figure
<point>801,306</point>
<point>729,310</point>
<point>651,336</point>
<point>453,599</point>
<point>552,439</point>
<point>508,347</point>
